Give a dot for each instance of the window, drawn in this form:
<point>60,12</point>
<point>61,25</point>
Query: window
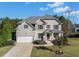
<point>25,26</point>
<point>77,30</point>
<point>40,35</point>
<point>40,26</point>
<point>56,35</point>
<point>48,26</point>
<point>33,25</point>
<point>56,26</point>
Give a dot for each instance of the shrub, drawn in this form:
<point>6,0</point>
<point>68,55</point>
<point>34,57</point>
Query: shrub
<point>6,43</point>
<point>42,47</point>
<point>9,43</point>
<point>39,42</point>
<point>54,42</point>
<point>1,45</point>
<point>60,41</point>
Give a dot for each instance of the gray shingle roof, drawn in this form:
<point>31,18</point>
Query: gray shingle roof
<point>53,31</point>
<point>33,19</point>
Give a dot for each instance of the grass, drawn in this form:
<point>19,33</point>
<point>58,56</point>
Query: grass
<point>4,50</point>
<point>69,51</point>
<point>73,49</point>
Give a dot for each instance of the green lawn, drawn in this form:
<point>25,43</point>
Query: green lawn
<point>69,51</point>
<point>4,50</point>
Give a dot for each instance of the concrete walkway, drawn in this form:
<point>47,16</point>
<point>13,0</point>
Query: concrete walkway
<point>49,43</point>
<point>20,50</point>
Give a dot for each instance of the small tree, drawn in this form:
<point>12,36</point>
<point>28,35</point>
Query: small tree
<point>66,25</point>
<point>59,44</point>
<point>65,40</point>
<point>59,41</point>
<point>6,29</point>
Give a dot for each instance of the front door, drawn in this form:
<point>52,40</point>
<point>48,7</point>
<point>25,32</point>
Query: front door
<point>48,36</point>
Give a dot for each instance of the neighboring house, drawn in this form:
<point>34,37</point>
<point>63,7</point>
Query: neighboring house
<point>38,28</point>
<point>76,27</point>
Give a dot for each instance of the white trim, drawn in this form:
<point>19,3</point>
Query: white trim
<point>24,39</point>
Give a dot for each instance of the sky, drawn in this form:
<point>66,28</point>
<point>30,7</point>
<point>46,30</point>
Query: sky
<point>25,9</point>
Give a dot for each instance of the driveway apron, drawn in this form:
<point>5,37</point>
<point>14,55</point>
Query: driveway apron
<point>20,50</point>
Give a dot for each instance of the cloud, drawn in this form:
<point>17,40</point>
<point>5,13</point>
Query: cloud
<point>72,13</point>
<point>62,9</point>
<point>66,14</point>
<point>56,4</point>
<point>44,9</point>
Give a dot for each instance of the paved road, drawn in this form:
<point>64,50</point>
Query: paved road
<point>20,50</point>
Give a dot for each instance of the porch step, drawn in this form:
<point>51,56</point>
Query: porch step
<point>49,43</point>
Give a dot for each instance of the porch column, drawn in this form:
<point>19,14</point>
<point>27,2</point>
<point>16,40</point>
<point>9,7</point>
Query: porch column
<point>50,36</point>
<point>44,37</point>
<point>60,34</point>
<point>53,36</point>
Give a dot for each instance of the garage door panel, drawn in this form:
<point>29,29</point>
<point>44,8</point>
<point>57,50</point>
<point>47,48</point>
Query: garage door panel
<point>24,39</point>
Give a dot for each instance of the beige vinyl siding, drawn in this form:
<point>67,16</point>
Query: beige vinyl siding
<point>21,31</point>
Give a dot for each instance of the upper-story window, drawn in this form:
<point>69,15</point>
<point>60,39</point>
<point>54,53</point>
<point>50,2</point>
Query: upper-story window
<point>56,26</point>
<point>40,26</point>
<point>25,26</point>
<point>48,26</point>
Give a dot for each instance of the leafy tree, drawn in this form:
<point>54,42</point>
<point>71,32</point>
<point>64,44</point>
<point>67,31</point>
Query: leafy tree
<point>14,22</point>
<point>6,29</point>
<point>66,25</point>
<point>8,26</point>
<point>0,25</point>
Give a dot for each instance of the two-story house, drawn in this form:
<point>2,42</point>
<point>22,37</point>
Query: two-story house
<point>38,28</point>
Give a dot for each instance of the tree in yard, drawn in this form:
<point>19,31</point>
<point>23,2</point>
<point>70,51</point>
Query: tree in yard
<point>58,44</point>
<point>67,29</point>
<point>66,25</point>
<point>0,25</point>
<point>6,29</point>
<point>8,26</point>
<point>14,22</point>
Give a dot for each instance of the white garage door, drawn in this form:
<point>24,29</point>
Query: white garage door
<point>24,39</point>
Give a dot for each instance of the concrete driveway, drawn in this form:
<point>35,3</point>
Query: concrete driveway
<point>20,50</point>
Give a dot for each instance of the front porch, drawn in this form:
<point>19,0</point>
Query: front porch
<point>51,34</point>
<point>47,36</point>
